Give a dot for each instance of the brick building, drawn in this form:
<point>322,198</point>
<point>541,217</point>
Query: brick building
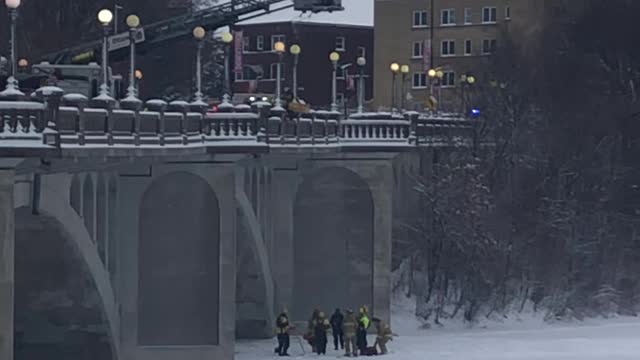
<point>460,33</point>
<point>317,35</point>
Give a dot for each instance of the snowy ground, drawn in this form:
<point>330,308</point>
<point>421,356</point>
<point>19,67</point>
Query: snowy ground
<point>525,338</point>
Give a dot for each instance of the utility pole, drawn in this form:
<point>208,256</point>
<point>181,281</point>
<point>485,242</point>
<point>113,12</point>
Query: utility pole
<point>432,29</point>
<point>116,9</point>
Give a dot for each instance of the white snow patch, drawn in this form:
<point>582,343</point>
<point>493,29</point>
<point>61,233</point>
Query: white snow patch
<point>524,337</point>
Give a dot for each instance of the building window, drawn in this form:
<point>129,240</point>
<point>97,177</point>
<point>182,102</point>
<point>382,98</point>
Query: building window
<point>449,78</point>
<point>448,17</point>
<point>260,43</point>
<point>418,49</point>
<point>468,47</point>
<point>419,80</point>
<point>489,15</point>
<point>246,44</point>
<point>488,46</point>
<point>420,18</point>
<point>340,98</point>
<point>468,16</point>
<point>507,13</point>
<point>341,43</point>
<point>362,52</point>
<point>274,71</point>
<point>448,48</point>
<point>275,39</point>
<point>340,73</point>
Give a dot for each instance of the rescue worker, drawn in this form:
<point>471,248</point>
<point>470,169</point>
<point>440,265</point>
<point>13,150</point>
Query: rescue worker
<point>311,325</point>
<point>336,328</point>
<point>383,335</point>
<point>363,326</point>
<point>282,323</point>
<point>320,334</point>
<point>349,329</point>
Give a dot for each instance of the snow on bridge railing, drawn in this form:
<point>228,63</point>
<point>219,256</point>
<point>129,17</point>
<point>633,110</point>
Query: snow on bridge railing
<point>51,119</point>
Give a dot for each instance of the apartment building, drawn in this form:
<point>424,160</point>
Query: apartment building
<point>455,37</point>
<point>349,32</point>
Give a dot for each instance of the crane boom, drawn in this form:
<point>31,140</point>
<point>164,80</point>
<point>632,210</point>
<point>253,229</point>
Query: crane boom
<point>182,26</point>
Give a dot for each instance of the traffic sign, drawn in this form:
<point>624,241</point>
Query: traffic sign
<point>121,40</point>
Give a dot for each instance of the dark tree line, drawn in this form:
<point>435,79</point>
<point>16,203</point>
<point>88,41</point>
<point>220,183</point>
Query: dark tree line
<point>549,216</point>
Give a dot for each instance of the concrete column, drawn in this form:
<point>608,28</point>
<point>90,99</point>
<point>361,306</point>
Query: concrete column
<point>7,251</point>
<point>284,187</point>
<point>379,176</point>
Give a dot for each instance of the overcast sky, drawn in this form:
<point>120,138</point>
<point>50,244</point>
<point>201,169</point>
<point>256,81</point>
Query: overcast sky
<point>357,12</point>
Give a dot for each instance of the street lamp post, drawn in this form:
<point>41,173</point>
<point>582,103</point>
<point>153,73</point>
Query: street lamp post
<point>280,48</point>
<point>361,63</point>
<point>227,38</point>
<point>105,17</point>
<point>295,51</point>
<point>133,22</point>
<point>12,82</point>
<point>440,76</point>
<point>334,57</point>
<point>404,69</point>
<point>464,81</point>
<point>199,34</point>
<point>394,73</point>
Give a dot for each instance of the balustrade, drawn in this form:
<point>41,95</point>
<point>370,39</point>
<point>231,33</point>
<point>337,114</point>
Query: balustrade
<point>73,120</point>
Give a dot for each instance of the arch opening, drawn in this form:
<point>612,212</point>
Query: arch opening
<point>88,206</point>
<point>59,312</point>
<point>112,200</point>
<point>101,219</point>
<point>74,195</point>
<point>178,263</point>
<point>333,243</point>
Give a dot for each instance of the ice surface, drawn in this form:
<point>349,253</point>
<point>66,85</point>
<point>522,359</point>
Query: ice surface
<point>524,338</point>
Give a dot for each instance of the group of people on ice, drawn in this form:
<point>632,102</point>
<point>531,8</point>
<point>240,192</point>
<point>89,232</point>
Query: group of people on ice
<point>349,333</point>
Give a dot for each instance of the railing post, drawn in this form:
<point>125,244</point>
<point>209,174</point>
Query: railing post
<point>159,106</point>
<point>413,118</point>
<point>51,97</point>
<point>79,102</point>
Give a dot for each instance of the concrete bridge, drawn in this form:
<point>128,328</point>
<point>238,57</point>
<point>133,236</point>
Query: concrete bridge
<point>160,231</point>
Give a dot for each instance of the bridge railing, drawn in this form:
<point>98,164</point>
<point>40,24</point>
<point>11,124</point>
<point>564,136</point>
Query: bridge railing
<point>54,120</point>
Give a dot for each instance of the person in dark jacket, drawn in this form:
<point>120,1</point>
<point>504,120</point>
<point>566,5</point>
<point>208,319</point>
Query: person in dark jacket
<point>282,323</point>
<point>320,334</point>
<point>336,327</point>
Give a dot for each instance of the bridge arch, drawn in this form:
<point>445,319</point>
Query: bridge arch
<point>59,307</point>
<point>333,248</point>
<point>178,253</point>
<point>54,203</point>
